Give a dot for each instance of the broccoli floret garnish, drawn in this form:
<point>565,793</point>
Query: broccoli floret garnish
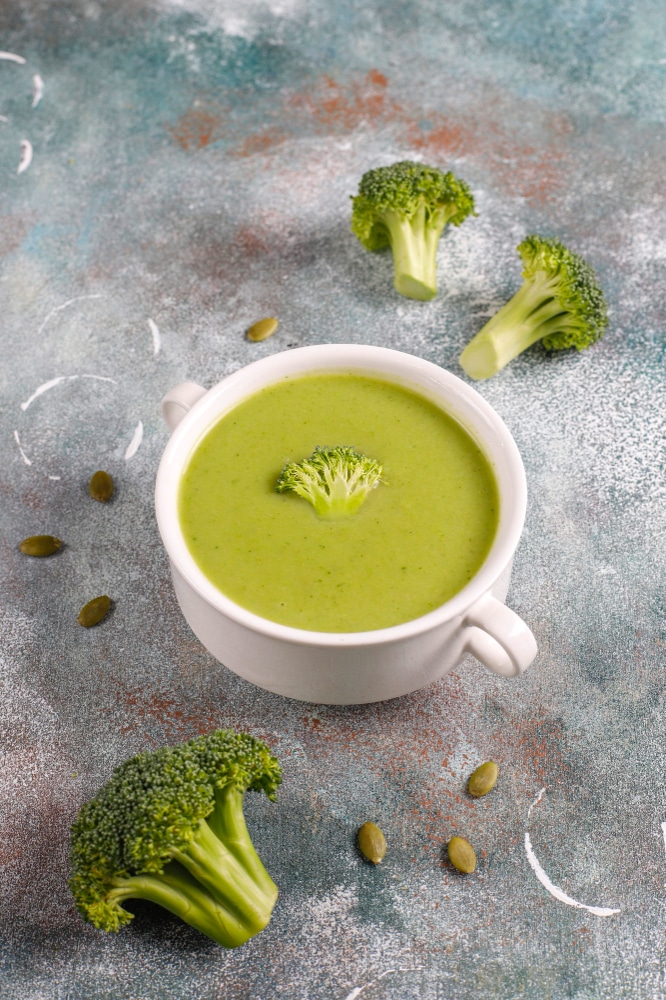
<point>405,207</point>
<point>336,481</point>
<point>560,303</point>
<point>169,827</point>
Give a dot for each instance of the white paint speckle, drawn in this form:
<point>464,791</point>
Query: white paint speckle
<point>56,381</point>
<point>42,389</point>
<point>157,340</point>
<point>37,89</point>
<point>64,305</point>
<point>554,890</point>
<point>12,57</point>
<point>536,802</point>
<point>25,159</point>
<point>23,454</point>
<point>135,443</point>
<point>359,989</point>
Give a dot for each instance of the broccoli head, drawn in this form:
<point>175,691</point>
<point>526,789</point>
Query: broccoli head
<point>336,481</point>
<point>406,206</point>
<point>169,827</point>
<point>560,303</point>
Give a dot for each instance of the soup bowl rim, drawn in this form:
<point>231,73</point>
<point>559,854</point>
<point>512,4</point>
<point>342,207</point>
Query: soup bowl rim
<point>440,386</point>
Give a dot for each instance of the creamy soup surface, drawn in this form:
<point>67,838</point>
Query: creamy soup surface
<point>418,538</point>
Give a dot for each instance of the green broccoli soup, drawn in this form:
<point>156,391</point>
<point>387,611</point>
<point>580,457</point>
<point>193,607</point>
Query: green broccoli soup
<point>417,538</point>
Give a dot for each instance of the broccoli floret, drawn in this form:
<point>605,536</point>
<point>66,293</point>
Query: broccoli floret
<point>560,303</point>
<point>405,207</point>
<point>336,481</point>
<point>169,827</point>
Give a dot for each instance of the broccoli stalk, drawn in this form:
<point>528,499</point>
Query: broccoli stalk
<point>335,481</point>
<point>406,206</point>
<point>560,303</point>
<point>169,827</point>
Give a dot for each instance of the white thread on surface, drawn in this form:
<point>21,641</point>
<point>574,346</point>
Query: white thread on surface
<point>23,454</point>
<point>64,305</point>
<point>134,444</point>
<point>25,158</point>
<point>157,340</point>
<point>359,989</point>
<point>37,89</point>
<point>12,57</point>
<point>56,381</point>
<point>554,890</point>
<point>536,801</point>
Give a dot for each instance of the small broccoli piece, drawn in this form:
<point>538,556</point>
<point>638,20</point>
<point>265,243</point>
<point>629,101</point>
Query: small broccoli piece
<point>169,827</point>
<point>336,481</point>
<point>560,303</point>
<point>405,207</point>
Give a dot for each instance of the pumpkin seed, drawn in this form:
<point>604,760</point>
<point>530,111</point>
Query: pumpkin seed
<point>262,329</point>
<point>461,855</point>
<point>371,842</point>
<point>483,779</point>
<point>100,486</point>
<point>93,612</point>
<point>40,545</point>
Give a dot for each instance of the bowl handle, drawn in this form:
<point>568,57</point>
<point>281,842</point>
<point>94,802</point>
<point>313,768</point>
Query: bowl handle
<point>498,637</point>
<point>179,401</point>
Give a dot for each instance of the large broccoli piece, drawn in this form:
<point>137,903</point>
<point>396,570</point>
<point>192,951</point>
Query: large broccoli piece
<point>405,207</point>
<point>560,303</point>
<point>169,827</point>
<point>335,481</point>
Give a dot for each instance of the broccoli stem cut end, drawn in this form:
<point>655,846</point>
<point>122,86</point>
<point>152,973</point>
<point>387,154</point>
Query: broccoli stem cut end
<point>523,321</point>
<point>414,247</point>
<point>413,288</point>
<point>246,899</point>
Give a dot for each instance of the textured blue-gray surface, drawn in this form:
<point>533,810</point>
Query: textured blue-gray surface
<point>191,171</point>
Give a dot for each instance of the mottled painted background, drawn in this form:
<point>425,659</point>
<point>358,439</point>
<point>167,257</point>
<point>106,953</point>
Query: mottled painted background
<point>192,165</point>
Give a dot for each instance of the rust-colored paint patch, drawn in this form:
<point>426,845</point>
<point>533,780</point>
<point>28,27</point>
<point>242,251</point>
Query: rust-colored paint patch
<point>536,172</point>
<point>520,170</point>
<point>198,126</point>
<point>14,229</point>
<point>175,721</point>
<point>261,142</point>
<point>374,76</point>
<point>347,105</point>
<point>445,138</point>
<point>536,175</point>
<point>251,241</point>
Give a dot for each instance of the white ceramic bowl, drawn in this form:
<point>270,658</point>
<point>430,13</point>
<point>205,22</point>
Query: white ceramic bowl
<point>351,667</point>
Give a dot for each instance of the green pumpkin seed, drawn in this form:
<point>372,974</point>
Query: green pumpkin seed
<point>40,545</point>
<point>262,329</point>
<point>483,779</point>
<point>93,612</point>
<point>461,855</point>
<point>371,842</point>
<point>100,486</point>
